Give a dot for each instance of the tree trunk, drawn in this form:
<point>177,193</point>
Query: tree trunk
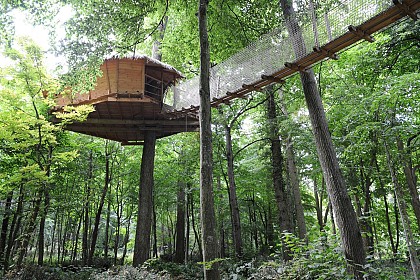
<point>254,219</point>
<point>366,221</point>
<point>117,234</point>
<point>318,206</point>
<point>187,230</point>
<point>29,230</point>
<point>86,222</point>
<point>180,225</point>
<point>208,218</point>
<point>270,230</point>
<point>387,216</point>
<point>343,209</point>
<point>277,173</point>
<point>388,224</point>
<point>294,177</point>
<point>144,216</point>
<point>126,238</point>
<point>76,238</point>
<point>100,207</point>
<point>156,52</point>
<point>154,229</point>
<point>399,195</point>
<point>14,227</point>
<point>41,234</point>
<point>4,227</point>
<point>220,216</point>
<point>410,179</point>
<point>108,221</point>
<point>233,200</point>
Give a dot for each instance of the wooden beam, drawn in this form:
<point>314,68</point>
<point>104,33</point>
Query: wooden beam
<point>326,53</point>
<point>140,122</point>
<point>124,129</point>
<point>250,87</point>
<point>361,33</point>
<point>295,66</point>
<point>144,99</point>
<point>405,9</point>
<point>273,79</point>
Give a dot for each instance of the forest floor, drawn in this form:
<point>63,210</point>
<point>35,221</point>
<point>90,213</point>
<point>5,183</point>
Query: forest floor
<point>157,269</point>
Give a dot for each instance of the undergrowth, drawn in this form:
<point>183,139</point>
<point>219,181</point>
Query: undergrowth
<point>320,260</point>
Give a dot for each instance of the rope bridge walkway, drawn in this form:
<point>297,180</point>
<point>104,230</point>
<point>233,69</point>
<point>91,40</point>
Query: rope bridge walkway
<point>271,58</point>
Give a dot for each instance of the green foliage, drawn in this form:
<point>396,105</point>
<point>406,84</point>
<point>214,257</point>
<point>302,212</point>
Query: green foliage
<point>188,271</point>
<point>129,273</point>
<point>33,272</point>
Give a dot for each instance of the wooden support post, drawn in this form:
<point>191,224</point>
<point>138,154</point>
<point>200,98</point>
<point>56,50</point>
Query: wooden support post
<point>273,79</point>
<point>295,66</point>
<point>405,9</point>
<point>325,52</point>
<point>361,33</point>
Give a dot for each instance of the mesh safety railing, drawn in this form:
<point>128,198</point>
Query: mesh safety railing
<point>268,54</point>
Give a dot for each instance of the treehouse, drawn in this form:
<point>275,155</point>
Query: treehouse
<point>128,100</point>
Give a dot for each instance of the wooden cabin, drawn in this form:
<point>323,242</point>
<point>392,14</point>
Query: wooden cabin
<point>128,100</point>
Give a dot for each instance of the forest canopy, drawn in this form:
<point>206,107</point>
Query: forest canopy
<point>69,203</point>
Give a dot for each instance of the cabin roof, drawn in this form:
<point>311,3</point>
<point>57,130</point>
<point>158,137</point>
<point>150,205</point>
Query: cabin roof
<point>149,61</point>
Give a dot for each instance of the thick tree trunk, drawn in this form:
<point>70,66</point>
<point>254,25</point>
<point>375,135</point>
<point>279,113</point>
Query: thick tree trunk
<point>144,215</point>
<point>233,200</point>
<point>100,207</point>
<point>208,217</point>
<point>180,225</point>
<point>343,209</point>
<point>277,173</point>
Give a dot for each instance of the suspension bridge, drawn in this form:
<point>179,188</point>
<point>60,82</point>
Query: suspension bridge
<point>139,94</point>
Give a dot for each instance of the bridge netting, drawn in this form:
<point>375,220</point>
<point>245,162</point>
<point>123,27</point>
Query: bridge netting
<point>271,51</point>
